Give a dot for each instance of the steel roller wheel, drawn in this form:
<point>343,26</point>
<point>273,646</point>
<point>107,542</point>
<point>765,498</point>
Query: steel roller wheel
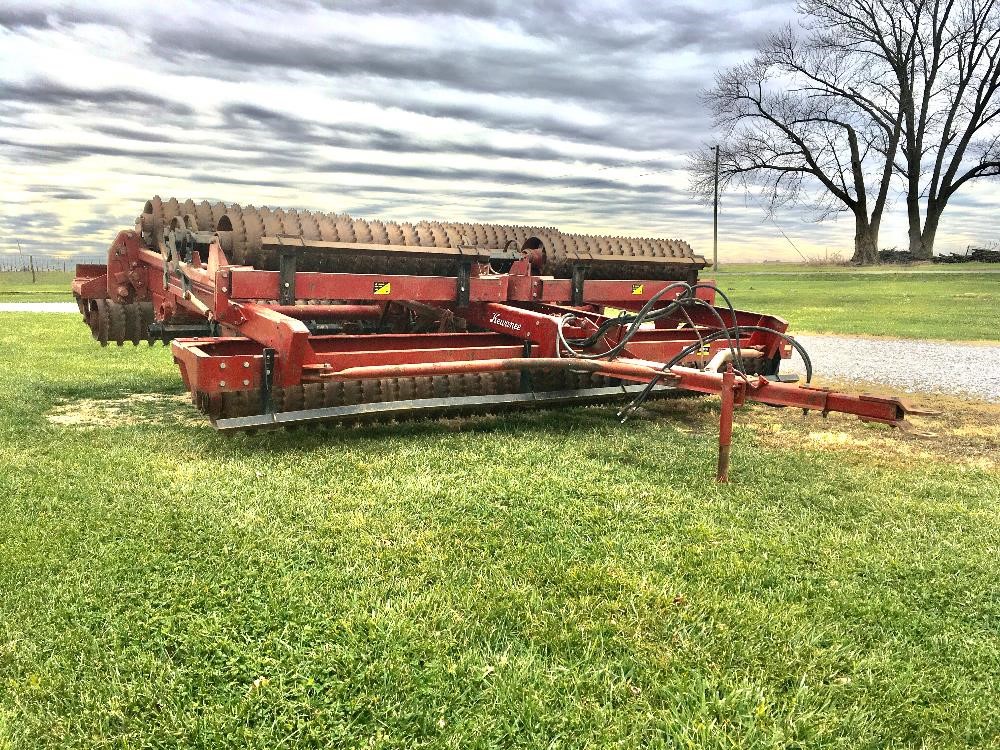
<point>203,214</point>
<point>345,229</point>
<point>327,227</point>
<point>241,230</point>
<point>110,321</point>
<point>100,321</point>
<point>395,233</point>
<point>307,221</point>
<point>354,392</point>
<point>379,234</point>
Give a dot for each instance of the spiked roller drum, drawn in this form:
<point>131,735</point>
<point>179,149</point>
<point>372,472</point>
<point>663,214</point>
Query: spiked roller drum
<point>241,230</point>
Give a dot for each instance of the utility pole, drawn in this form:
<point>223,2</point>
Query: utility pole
<point>20,255</point>
<point>715,217</point>
<point>31,260</point>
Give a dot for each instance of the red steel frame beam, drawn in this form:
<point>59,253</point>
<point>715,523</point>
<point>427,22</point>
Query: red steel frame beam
<point>205,358</point>
<point>135,271</point>
<point>519,313</point>
<point>732,390</point>
<point>250,284</point>
<point>751,388</point>
<point>500,302</point>
<point>518,306</point>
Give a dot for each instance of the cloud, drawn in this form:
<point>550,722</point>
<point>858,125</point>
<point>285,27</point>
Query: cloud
<point>544,111</point>
<point>127,133</point>
<point>263,126</point>
<point>618,75</point>
<point>47,93</point>
<point>622,24</point>
<point>29,153</point>
<point>55,192</point>
<point>23,18</point>
<point>485,175</point>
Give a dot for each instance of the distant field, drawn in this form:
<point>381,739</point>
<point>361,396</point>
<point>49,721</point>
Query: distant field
<point>50,286</point>
<point>956,302</point>
<point>727,268</point>
<point>955,306</point>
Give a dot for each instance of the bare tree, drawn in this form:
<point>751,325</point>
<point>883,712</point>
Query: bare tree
<point>802,123</point>
<point>944,58</point>
<point>910,88</point>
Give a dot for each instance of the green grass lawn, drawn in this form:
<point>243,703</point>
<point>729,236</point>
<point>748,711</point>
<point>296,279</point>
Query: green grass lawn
<point>49,286</point>
<point>544,580</point>
<point>938,302</point>
<point>919,268</point>
<point>932,305</point>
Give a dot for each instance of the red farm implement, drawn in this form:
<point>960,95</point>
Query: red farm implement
<point>282,318</point>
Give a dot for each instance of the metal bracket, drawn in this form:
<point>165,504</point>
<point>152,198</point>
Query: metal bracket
<point>527,382</point>
<point>267,381</point>
<point>578,275</point>
<point>286,276</point>
<point>185,285</point>
<point>286,267</point>
<point>464,283</point>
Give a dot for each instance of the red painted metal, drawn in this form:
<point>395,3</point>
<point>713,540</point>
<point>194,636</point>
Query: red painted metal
<point>727,398</point>
<point>331,312</point>
<point>250,284</point>
<point>513,320</point>
<point>91,282</point>
<point>627,370</point>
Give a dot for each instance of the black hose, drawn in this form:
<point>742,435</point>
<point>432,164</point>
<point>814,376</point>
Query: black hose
<point>636,321</point>
<point>732,311</point>
<point>732,335</point>
<point>646,314</point>
<point>723,331</point>
<point>690,349</point>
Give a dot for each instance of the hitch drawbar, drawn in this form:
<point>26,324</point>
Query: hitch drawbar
<point>734,391</point>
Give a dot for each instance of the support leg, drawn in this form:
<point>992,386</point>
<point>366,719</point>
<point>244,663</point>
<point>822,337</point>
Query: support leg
<point>267,382</point>
<point>726,423</point>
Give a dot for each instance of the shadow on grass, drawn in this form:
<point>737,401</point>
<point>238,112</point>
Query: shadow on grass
<point>554,423</point>
<point>104,408</point>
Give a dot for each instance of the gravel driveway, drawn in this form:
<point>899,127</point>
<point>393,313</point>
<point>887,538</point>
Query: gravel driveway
<point>907,364</point>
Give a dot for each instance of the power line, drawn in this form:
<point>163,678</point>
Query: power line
<point>659,171</point>
<point>777,226</point>
<point>766,214</point>
<point>623,164</point>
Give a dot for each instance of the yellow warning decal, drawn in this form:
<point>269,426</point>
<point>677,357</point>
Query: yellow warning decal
<point>383,287</point>
<point>637,288</point>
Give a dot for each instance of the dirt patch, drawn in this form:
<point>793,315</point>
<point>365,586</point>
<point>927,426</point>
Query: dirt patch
<point>965,432</point>
<point>137,408</point>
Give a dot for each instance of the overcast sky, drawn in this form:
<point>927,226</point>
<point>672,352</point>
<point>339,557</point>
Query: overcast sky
<point>519,112</point>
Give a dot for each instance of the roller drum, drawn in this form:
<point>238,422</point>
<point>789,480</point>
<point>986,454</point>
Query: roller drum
<point>241,230</point>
